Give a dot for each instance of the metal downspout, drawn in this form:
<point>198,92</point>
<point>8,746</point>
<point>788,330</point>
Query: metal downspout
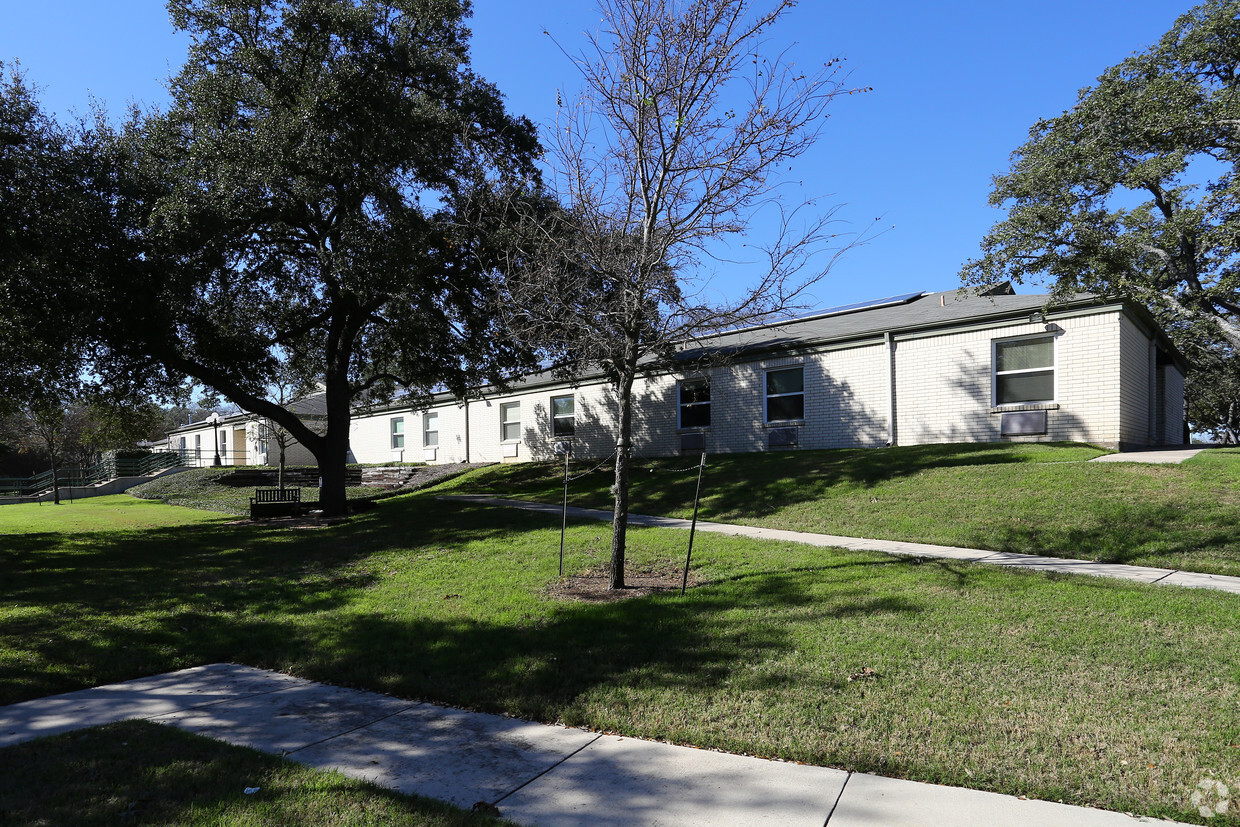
<point>890,342</point>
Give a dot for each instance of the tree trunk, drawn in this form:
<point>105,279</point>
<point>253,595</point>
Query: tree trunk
<point>280,473</point>
<point>333,498</point>
<point>333,450</point>
<point>51,453</point>
<point>620,488</point>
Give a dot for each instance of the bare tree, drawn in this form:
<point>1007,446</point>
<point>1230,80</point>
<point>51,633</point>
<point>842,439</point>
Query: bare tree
<point>289,389</point>
<point>47,426</point>
<point>678,140</point>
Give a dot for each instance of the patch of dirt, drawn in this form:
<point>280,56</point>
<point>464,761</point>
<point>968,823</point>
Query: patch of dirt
<point>591,587</point>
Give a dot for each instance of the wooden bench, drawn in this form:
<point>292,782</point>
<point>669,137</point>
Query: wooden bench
<point>275,502</point>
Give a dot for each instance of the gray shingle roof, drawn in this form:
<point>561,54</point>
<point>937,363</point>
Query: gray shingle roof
<point>927,310</point>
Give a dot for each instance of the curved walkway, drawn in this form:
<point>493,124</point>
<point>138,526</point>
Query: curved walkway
<point>1143,574</point>
<point>533,773</point>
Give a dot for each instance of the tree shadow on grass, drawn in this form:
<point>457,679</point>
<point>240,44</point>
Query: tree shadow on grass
<point>142,773</point>
<point>752,485</point>
<point>126,606</point>
<point>542,669</point>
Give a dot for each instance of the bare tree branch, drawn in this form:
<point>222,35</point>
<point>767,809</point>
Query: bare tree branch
<point>677,141</point>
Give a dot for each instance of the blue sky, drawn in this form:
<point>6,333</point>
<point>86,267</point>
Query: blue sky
<point>956,87</point>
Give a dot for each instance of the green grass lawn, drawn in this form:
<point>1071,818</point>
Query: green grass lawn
<point>142,773</point>
<point>1082,689</point>
<point>1042,499</point>
<point>198,488</point>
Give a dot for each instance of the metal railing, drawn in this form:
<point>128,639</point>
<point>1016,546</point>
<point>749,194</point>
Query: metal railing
<point>104,471</point>
<point>205,457</point>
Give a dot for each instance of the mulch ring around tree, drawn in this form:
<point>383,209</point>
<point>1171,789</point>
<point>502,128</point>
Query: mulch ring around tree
<point>592,585</point>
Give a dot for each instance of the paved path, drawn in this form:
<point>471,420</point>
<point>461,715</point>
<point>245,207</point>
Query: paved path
<point>534,773</point>
<point>1143,574</point>
<point>1158,456</point>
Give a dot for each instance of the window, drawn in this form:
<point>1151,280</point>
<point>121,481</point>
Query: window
<point>1025,370</point>
<point>430,429</point>
<point>695,403</point>
<point>398,432</point>
<point>785,394</point>
<point>563,416</point>
<point>198,445</point>
<point>510,421</point>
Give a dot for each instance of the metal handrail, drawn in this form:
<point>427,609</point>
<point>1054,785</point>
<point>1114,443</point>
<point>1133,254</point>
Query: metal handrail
<point>102,472</point>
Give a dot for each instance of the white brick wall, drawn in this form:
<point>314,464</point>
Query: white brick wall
<point>1174,401</point>
<point>944,393</point>
<point>1134,396</point>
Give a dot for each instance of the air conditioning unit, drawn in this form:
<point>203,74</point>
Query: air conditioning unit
<point>783,437</point>
<point>1022,423</point>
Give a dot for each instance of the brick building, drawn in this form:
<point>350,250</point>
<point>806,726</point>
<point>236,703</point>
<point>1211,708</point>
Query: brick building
<point>913,369</point>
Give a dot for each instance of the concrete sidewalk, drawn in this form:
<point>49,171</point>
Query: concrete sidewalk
<point>534,773</point>
<point>1142,574</point>
<point>1163,455</point>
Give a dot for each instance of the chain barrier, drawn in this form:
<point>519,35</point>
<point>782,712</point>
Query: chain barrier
<point>676,470</point>
<point>606,460</point>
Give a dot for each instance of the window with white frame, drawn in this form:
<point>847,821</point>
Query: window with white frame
<point>430,429</point>
<point>695,403</point>
<point>785,394</point>
<point>510,421</point>
<point>1024,370</point>
<point>563,416</point>
<point>398,432</point>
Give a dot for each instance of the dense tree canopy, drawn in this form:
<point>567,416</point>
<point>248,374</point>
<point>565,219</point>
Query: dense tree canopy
<point>55,231</point>
<point>297,209</point>
<point>1134,192</point>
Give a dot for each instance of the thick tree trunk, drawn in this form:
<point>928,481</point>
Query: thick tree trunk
<point>333,498</point>
<point>620,487</point>
<point>334,449</point>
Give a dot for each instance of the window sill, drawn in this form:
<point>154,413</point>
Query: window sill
<point>512,441</point>
<point>703,429</point>
<point>1025,406</point>
<point>784,423</point>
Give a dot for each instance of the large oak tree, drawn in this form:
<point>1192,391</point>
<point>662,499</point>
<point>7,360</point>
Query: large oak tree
<point>295,209</point>
<point>1134,190</point>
